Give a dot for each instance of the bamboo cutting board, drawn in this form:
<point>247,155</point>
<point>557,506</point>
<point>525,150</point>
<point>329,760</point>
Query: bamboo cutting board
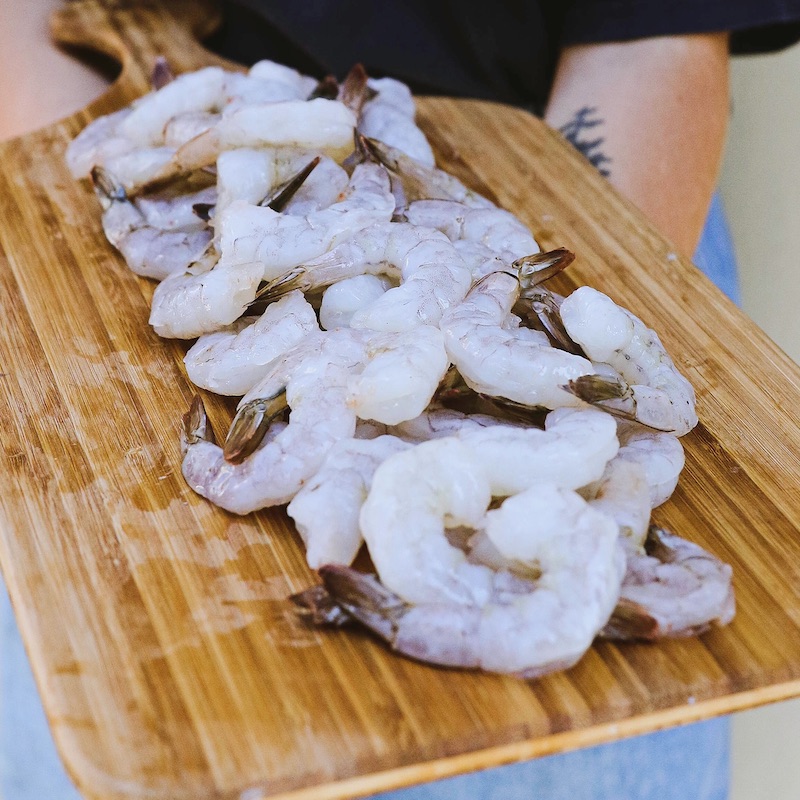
<point>170,663</point>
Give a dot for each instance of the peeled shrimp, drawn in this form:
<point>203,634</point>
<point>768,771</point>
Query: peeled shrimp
<point>389,118</point>
<point>156,236</point>
<point>650,390</point>
<point>257,244</point>
<point>315,385</point>
<point>676,588</point>
<point>433,276</point>
<point>319,125</point>
<point>442,608</point>
<point>233,360</point>
<point>326,509</point>
<point>498,230</point>
<point>518,364</point>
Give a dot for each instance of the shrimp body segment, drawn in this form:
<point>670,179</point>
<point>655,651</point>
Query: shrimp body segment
<point>467,614</point>
<point>233,360</point>
<point>674,589</point>
<point>517,363</point>
<point>258,243</point>
<point>326,509</point>
<point>652,391</point>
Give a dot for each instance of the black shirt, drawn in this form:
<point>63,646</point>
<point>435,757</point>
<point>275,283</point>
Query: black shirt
<point>503,50</point>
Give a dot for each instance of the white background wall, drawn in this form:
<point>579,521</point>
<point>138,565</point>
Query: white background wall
<point>761,191</point>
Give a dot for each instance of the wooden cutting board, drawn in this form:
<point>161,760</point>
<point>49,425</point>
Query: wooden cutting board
<point>170,663</point>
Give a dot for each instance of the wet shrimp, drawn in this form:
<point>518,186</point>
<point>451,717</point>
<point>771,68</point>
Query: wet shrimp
<point>157,237</point>
<point>511,362</point>
<point>313,383</point>
<point>674,589</point>
<point>389,118</point>
<point>258,244</point>
<point>499,231</point>
<point>326,380</point>
<point>417,181</point>
<point>326,509</point>
<point>650,390</point>
<point>318,125</point>
<point>233,360</point>
<point>343,299</point>
<point>436,606</point>
<point>432,274</point>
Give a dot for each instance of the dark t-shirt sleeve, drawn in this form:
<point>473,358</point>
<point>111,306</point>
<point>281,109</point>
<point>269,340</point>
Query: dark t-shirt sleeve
<point>756,26</point>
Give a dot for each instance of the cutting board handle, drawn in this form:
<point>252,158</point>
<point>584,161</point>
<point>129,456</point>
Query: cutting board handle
<point>134,33</point>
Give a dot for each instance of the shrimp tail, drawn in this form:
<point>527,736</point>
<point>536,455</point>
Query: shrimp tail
<point>365,599</point>
<point>278,199</point>
<point>195,426</point>
<point>250,425</point>
<point>540,267</point>
<point>327,88</point>
<point>320,608</point>
<point>630,622</point>
<point>162,73</point>
<point>107,187</point>
<point>354,91</point>
<point>539,308</point>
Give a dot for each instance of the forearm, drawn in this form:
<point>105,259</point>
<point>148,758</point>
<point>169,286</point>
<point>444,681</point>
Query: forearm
<point>38,82</point>
<point>661,107</point>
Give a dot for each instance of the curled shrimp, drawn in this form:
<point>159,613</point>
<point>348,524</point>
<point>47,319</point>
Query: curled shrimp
<point>497,233</point>
<point>650,390</point>
<point>314,385</point>
<point>327,507</point>
<point>433,275</point>
<point>233,360</point>
<point>157,237</point>
<point>507,361</point>
<point>434,605</point>
<point>257,244</point>
<point>674,589</point>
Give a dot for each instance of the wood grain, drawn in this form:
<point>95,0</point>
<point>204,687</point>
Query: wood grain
<point>170,663</point>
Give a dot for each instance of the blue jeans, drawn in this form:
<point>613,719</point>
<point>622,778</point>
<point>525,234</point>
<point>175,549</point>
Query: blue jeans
<point>676,764</point>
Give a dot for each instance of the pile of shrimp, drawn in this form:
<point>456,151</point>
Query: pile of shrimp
<point>407,381</point>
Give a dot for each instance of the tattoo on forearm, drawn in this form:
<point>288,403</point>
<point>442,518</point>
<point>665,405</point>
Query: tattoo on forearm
<point>574,132</point>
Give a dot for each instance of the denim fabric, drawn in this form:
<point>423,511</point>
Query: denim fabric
<point>677,764</point>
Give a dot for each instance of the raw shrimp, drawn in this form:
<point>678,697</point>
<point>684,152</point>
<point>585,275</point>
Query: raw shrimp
<point>401,373</point>
<point>98,141</point>
<point>660,455</point>
<point>389,118</point>
<point>156,236</point>
<point>254,175</point>
<point>676,588</point>
<point>518,364</point>
<point>320,125</point>
<point>326,509</point>
<point>433,276</point>
<point>448,611</point>
<point>650,389</point>
<point>341,300</point>
<point>498,230</point>
<point>257,244</point>
<point>417,181</point>
<point>233,360</point>
<point>572,451</point>
<point>313,382</point>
